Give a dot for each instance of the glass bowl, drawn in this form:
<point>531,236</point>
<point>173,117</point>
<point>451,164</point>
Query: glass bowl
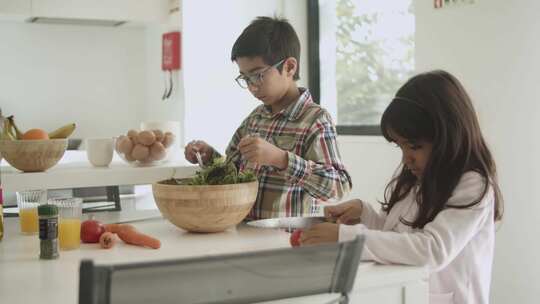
<point>145,147</point>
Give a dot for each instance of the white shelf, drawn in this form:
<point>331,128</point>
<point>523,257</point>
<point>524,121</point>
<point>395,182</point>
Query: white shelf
<point>74,171</point>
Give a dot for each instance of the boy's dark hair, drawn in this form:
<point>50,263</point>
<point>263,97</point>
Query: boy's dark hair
<point>273,39</point>
<point>435,107</point>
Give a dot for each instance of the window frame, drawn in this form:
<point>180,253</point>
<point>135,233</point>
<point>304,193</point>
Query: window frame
<point>314,78</point>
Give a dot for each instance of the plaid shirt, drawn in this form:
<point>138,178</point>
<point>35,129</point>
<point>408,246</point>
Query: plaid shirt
<point>314,173</point>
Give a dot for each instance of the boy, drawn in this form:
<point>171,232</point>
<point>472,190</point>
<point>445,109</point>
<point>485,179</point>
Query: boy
<point>289,140</point>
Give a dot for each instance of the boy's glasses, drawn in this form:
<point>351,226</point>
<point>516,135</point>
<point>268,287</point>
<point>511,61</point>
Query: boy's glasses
<point>254,79</point>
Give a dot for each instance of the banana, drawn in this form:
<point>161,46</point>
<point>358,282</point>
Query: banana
<point>2,124</point>
<point>6,134</point>
<point>11,131</point>
<point>63,132</point>
<point>18,133</point>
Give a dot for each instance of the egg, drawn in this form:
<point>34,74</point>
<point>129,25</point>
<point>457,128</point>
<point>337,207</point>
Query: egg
<point>159,135</point>
<point>125,145</point>
<point>140,152</point>
<point>168,139</point>
<point>133,134</point>
<point>129,157</point>
<point>146,138</point>
<point>157,151</point>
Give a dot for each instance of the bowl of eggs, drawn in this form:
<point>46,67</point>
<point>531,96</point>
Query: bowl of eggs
<point>147,147</point>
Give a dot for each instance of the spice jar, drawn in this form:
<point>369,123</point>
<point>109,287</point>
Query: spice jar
<point>48,232</point>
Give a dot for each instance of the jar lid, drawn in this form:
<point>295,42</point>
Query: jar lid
<point>47,210</point>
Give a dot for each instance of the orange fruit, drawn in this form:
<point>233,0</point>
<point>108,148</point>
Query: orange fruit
<point>35,134</point>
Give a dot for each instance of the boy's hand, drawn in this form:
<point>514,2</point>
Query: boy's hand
<point>200,146</point>
<point>347,213</point>
<point>320,233</point>
<point>258,150</point>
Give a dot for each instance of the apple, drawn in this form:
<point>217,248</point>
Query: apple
<point>91,230</point>
<point>295,238</point>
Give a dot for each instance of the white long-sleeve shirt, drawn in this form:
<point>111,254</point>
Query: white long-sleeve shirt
<point>457,246</point>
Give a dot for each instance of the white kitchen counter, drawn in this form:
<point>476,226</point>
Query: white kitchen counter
<point>24,278</point>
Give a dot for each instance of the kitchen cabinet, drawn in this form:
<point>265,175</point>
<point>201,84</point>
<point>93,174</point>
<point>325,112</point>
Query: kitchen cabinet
<point>140,11</point>
<point>56,281</point>
<point>15,9</point>
<point>121,10</point>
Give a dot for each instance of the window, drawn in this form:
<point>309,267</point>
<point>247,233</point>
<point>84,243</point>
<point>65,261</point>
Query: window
<point>361,52</point>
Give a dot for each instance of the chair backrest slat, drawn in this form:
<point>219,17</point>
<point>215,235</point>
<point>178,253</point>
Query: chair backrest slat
<point>234,278</point>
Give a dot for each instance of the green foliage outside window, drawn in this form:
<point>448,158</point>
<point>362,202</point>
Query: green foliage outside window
<point>367,72</point>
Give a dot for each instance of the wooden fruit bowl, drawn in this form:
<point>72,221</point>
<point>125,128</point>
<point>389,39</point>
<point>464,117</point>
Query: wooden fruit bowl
<point>209,208</point>
<point>33,155</point>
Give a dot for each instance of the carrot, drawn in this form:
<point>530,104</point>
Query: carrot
<point>133,237</point>
<point>115,228</point>
<point>106,240</point>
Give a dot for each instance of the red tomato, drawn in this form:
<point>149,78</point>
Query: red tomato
<point>91,230</point>
<point>295,238</point>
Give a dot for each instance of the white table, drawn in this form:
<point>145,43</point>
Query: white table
<point>74,171</point>
<point>24,278</point>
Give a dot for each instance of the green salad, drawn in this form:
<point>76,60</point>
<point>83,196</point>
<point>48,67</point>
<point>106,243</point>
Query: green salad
<point>218,172</point>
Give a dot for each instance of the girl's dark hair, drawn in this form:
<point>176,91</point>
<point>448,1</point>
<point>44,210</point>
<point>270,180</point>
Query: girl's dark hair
<point>434,107</point>
<point>273,39</point>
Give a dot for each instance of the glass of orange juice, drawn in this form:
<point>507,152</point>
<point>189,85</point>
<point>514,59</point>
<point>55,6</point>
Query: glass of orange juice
<point>27,202</point>
<point>69,221</point>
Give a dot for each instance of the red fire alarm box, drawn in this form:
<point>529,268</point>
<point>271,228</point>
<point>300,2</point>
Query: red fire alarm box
<point>171,51</point>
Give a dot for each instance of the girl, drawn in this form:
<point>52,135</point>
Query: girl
<point>440,209</point>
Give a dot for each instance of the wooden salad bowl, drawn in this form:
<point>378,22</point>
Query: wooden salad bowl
<point>206,208</point>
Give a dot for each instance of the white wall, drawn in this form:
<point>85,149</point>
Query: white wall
<point>370,161</point>
<point>154,108</point>
<point>296,13</point>
<point>493,47</point>
<point>51,75</point>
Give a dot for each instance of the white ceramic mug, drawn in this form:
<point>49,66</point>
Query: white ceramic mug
<point>100,151</point>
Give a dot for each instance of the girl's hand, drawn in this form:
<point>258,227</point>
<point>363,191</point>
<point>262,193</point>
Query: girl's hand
<point>347,213</point>
<point>198,146</point>
<point>320,233</point>
<point>259,151</point>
